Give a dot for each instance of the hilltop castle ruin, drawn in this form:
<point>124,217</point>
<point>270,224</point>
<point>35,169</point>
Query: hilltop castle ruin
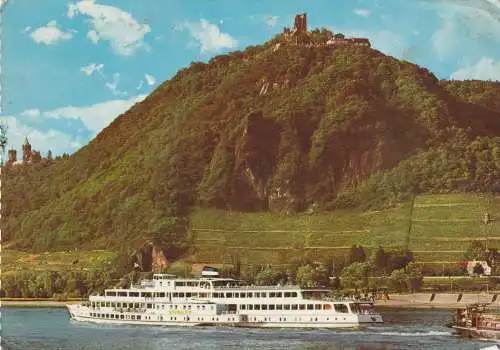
<point>29,155</point>
<point>299,35</point>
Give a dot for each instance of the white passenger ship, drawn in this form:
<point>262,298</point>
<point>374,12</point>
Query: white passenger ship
<point>210,300</point>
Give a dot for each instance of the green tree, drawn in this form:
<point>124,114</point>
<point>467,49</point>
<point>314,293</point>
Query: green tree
<point>355,276</point>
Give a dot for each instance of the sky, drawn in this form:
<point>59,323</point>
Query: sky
<point>68,69</point>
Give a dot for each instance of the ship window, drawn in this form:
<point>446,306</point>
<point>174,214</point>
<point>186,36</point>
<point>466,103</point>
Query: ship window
<point>162,306</point>
<point>203,307</point>
<point>189,307</point>
<point>271,307</point>
<point>249,295</point>
<point>256,307</point>
<point>242,307</point>
<point>175,295</point>
<point>310,307</point>
<point>294,294</point>
<point>279,295</point>
<point>133,294</point>
<point>229,295</point>
<point>110,294</point>
<point>146,294</point>
<point>133,317</point>
<point>249,307</point>
<point>287,294</point>
<point>149,306</point>
<point>302,307</point>
<point>272,295</point>
<point>108,304</point>
<point>161,295</point>
<point>295,307</point>
<point>264,307</point>
<point>113,305</point>
<point>112,316</point>
<point>179,284</point>
<point>138,317</point>
<point>122,316</point>
<point>286,307</point>
<point>279,307</point>
<point>184,307</point>
<point>327,307</point>
<point>236,295</point>
<point>317,307</point>
<point>181,295</point>
<point>341,308</point>
<point>107,315</point>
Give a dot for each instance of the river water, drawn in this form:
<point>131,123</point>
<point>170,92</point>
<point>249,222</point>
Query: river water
<point>43,328</point>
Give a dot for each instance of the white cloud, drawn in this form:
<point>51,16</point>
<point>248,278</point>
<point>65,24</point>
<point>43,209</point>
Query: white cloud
<point>95,118</point>
<point>32,113</point>
<point>91,68</point>
<point>112,24</point>
<point>208,35</point>
<point>50,34</point>
<point>271,21</point>
<point>2,4</point>
<point>93,36</point>
<point>467,23</point>
<point>150,79</point>
<point>98,116</point>
<point>40,140</point>
<point>362,12</point>
<point>113,86</point>
<point>446,40</point>
<point>485,69</point>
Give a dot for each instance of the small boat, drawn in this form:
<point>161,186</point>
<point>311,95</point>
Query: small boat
<point>477,321</point>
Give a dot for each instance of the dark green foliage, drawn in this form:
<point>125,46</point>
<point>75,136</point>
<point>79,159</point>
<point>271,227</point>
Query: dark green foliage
<point>336,127</point>
<point>356,254</point>
<point>478,269</point>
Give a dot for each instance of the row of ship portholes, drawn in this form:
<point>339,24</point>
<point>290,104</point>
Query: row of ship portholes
<point>173,318</point>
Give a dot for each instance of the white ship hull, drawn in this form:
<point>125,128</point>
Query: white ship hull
<point>82,314</point>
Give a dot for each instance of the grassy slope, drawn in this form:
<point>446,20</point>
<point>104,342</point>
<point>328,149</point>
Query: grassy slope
<point>442,227</point>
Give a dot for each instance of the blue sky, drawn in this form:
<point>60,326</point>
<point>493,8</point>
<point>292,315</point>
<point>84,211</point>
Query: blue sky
<point>70,68</point>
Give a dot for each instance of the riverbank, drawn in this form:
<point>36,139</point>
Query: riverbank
<point>36,303</point>
<point>415,300</point>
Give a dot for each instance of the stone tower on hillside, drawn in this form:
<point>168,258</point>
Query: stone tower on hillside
<point>300,24</point>
<point>27,154</point>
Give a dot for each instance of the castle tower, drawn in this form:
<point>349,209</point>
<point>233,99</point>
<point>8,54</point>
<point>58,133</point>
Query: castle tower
<point>27,154</point>
<point>301,23</point>
<point>12,156</point>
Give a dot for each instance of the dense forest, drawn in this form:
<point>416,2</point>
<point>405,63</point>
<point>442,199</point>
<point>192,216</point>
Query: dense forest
<point>282,128</point>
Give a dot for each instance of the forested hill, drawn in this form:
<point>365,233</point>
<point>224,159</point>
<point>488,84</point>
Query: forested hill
<point>285,128</point>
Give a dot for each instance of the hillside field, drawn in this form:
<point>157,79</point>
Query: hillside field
<point>442,226</point>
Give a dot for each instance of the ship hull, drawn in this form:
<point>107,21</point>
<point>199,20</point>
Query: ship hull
<point>81,314</point>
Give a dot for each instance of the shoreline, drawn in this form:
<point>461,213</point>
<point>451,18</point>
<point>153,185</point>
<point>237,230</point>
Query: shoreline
<point>378,304</point>
<point>37,303</point>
